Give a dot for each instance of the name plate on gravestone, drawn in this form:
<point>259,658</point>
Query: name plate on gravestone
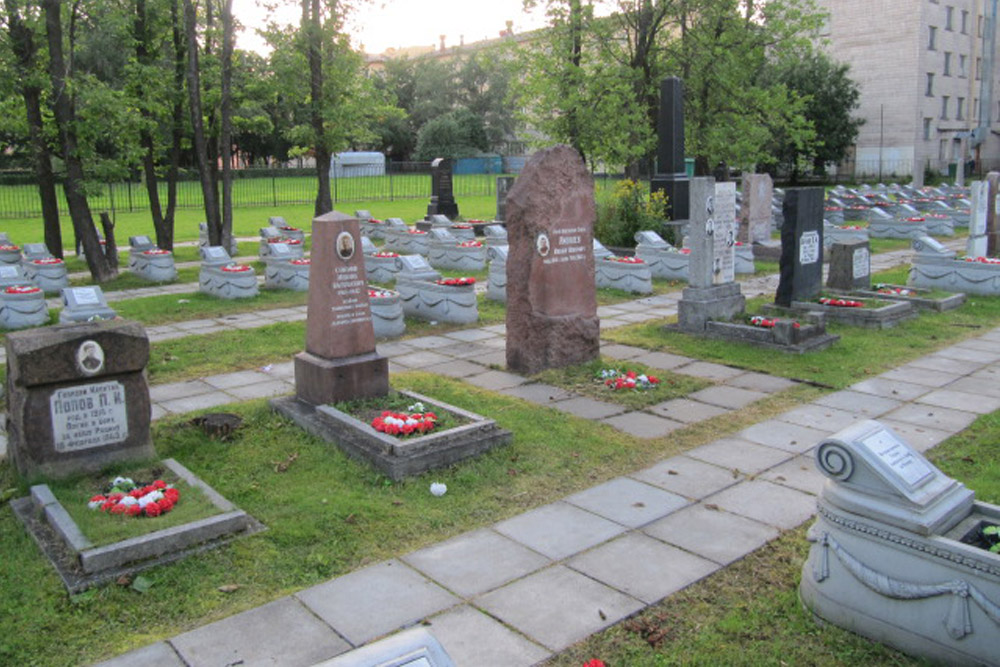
<point>396,223</point>
<point>339,362</point>
<point>83,296</point>
<point>35,250</point>
<point>442,235</point>
<point>862,263</point>
<point>562,245</point>
<point>809,247</point>
<point>724,234</point>
<point>78,399</point>
<point>215,253</point>
<point>413,264</point>
<point>88,416</point>
<point>876,474</point>
<point>650,239</point>
<point>279,250</point>
<point>270,232</point>
<point>11,271</point>
<point>140,242</point>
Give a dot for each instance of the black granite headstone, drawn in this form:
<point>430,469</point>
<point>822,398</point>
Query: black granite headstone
<point>801,246</point>
<point>442,193</point>
<point>671,176</point>
<point>850,266</point>
<point>504,184</point>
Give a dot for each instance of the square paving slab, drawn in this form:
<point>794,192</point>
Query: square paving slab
<point>375,600</point>
<point>619,351</point>
<point>732,398</point>
<point>920,438</point>
<point>662,360</point>
<point>740,455</point>
<point>893,389</point>
<point>688,477</point>
<point>496,380</point>
<point>860,403</point>
<point>459,368</point>
<point>768,503</point>
<point>931,416</point>
<point>800,473</point>
<point>821,417</point>
<point>420,359</point>
<point>769,384</point>
<point>960,365</point>
<point>559,530</point>
<point>476,562</point>
<point>281,632</point>
<point>960,400</point>
<point>643,424</point>
<point>687,411</point>
<point>537,392</point>
<point>976,385</point>
<point>627,501</point>
<point>781,435</point>
<point>709,371</point>
<point>160,654</point>
<point>924,376</point>
<point>558,607</point>
<point>714,534</point>
<point>588,408</point>
<point>473,638</point>
<point>643,567</point>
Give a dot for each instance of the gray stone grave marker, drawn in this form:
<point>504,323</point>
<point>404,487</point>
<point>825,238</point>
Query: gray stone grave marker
<point>755,209</point>
<point>504,184</point>
<point>850,266</point>
<point>551,295</point>
<point>977,246</point>
<point>78,398</point>
<point>140,243</point>
<point>84,304</point>
<point>442,194</point>
<point>801,262</point>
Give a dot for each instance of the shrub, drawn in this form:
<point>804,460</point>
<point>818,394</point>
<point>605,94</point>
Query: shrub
<point>629,210</point>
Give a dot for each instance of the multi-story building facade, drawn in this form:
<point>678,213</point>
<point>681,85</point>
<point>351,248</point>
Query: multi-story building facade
<point>930,84</point>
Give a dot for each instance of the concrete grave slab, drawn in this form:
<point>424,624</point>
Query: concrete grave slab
<point>698,528</point>
<point>662,360</point>
<point>627,501</point>
<point>238,379</point>
<point>476,562</point>
<point>961,400</point>
<point>709,371</point>
<point>644,568</point>
<point>887,388</point>
<point>420,358</point>
<point>459,368</point>
<point>540,393</point>
<point>375,600</point>
<point>496,380</point>
<point>558,606</point>
<point>619,351</point>
<point>282,632</point>
<point>799,473</point>
<point>923,376</point>
<point>559,530</point>
<point>976,385</point>
<point>588,408</point>
<point>820,416</point>
<point>939,362</point>
<point>769,384</point>
<point>473,638</point>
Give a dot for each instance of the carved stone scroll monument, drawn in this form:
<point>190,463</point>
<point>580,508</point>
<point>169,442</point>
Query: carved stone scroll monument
<point>893,555</point>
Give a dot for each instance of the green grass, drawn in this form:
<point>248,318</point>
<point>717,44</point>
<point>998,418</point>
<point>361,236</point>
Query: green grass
<point>102,528</point>
<point>168,308</point>
<point>585,379</point>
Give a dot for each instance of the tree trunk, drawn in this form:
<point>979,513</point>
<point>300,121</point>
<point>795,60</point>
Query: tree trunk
<point>225,137</point>
<point>110,244</point>
<point>314,44</point>
<point>26,52</point>
<point>141,36</point>
<point>62,110</point>
<point>198,126</point>
<point>165,237</point>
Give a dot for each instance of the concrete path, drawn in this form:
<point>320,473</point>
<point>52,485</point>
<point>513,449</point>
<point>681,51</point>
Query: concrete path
<point>521,590</point>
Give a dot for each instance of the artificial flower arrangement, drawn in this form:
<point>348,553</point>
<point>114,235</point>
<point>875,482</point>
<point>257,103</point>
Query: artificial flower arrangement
<point>47,260</point>
<point>379,293</point>
<point>470,244</point>
<point>155,251</point>
<point>851,227</point>
<point>126,497</point>
<point>416,420</point>
<point>983,260</point>
<point>841,303</point>
<point>624,260</point>
<point>236,268</point>
<point>288,228</point>
<point>415,231</point>
<point>883,288</point>
<point>9,247</point>
<point>461,226</point>
<point>285,241</point>
<point>766,322</point>
<point>615,379</point>
<point>456,282</point>
<point>22,289</point>
<point>384,253</point>
<point>916,219</point>
<point>302,261</point>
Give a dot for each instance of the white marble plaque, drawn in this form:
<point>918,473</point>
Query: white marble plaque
<point>89,415</point>
<point>809,247</point>
<point>724,234</point>
<point>897,459</point>
<point>86,296</point>
<point>862,263</point>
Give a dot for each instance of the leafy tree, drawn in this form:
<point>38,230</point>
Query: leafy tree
<point>459,133</point>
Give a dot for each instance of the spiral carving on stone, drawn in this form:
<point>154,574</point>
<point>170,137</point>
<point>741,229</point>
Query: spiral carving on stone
<point>835,461</point>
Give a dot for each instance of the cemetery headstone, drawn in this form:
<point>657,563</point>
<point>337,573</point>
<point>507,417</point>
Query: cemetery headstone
<point>442,194</point>
<point>671,175</point>
<point>340,361</point>
<point>504,184</point>
<point>755,211</point>
<point>977,245</point>
<point>12,274</point>
<point>36,251</point>
<point>712,292</point>
<point>992,215</point>
<point>140,242</point>
<point>78,399</point>
<point>551,296</point>
<point>801,264</point>
<point>85,304</point>
<point>415,267</point>
<point>850,266</point>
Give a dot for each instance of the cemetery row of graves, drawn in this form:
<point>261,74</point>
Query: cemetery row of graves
<point>340,478</point>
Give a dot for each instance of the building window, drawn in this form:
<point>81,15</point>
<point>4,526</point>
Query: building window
<point>979,27</point>
<point>965,22</point>
<point>961,65</point>
<point>947,63</point>
<point>960,111</point>
<point>975,109</point>
<point>948,11</point>
<point>927,128</point>
<point>931,37</point>
<point>944,107</point>
<point>979,68</point>
<point>930,85</point>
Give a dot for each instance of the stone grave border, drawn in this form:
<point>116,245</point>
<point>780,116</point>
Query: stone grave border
<point>883,317</point>
<point>392,456</point>
<point>920,301</point>
<point>81,566</point>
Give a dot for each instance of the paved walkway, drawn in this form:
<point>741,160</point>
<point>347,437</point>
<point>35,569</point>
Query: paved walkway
<point>521,590</point>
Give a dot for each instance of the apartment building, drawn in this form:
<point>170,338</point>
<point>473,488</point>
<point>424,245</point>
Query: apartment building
<point>930,84</point>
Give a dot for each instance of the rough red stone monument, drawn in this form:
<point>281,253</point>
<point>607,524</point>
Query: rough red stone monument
<point>992,218</point>
<point>551,297</point>
<point>340,362</point>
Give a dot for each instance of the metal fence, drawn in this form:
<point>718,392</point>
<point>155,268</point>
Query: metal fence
<point>251,187</point>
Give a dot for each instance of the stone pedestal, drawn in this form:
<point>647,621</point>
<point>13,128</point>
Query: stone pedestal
<point>319,381</point>
<point>698,305</point>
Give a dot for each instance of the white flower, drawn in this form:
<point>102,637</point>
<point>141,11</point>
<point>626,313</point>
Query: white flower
<point>416,407</point>
<point>119,481</point>
<point>438,489</point>
<point>643,379</point>
<point>129,500</point>
<point>94,504</point>
<point>145,500</point>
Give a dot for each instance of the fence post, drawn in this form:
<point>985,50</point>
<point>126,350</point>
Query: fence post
<point>391,195</point>
<point>129,182</point>
<point>274,191</point>
<point>334,179</point>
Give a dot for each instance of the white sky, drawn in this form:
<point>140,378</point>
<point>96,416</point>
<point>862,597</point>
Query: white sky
<point>382,24</point>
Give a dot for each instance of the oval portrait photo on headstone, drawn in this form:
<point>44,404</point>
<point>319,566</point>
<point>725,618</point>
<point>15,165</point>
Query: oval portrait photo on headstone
<point>345,245</point>
<point>542,244</point>
<point>90,357</point>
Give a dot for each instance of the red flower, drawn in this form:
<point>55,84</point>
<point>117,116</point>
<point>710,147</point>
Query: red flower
<point>133,510</point>
<point>152,509</point>
<point>301,262</point>
<point>456,282</point>
<point>653,379</point>
<point>159,484</point>
<point>118,509</point>
<point>593,663</point>
<point>107,505</point>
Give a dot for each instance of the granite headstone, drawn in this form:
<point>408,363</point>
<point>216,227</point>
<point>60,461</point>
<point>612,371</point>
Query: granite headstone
<point>850,266</point>
<point>801,264</point>
<point>977,246</point>
<point>755,211</point>
<point>442,193</point>
<point>504,184</point>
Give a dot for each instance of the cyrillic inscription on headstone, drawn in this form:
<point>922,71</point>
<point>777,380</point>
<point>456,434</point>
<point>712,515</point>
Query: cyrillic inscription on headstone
<point>724,234</point>
<point>90,415</point>
<point>567,245</point>
<point>349,288</point>
<point>897,458</point>
<point>862,262</point>
<point>809,247</point>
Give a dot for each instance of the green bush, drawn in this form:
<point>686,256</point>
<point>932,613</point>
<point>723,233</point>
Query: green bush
<point>629,210</point>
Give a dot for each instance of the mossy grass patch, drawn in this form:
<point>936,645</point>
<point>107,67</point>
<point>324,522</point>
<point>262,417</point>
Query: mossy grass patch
<point>103,528</point>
